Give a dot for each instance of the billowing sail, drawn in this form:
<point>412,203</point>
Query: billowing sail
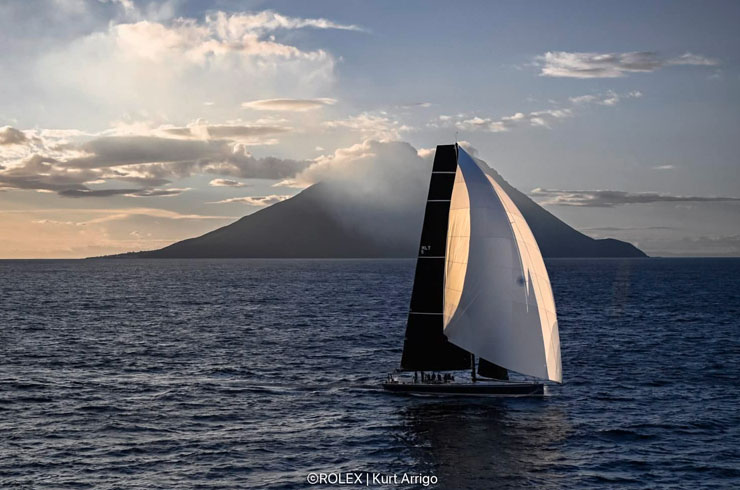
<point>498,303</point>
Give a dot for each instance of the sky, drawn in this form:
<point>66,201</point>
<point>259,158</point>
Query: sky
<point>128,125</point>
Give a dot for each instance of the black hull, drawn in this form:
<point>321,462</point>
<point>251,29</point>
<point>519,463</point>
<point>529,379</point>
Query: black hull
<point>468,389</point>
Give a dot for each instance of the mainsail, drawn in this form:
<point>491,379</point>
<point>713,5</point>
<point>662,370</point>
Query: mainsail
<point>426,348</point>
<point>494,293</point>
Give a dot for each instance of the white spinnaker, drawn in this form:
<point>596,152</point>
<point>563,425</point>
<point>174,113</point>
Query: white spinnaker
<point>498,303</point>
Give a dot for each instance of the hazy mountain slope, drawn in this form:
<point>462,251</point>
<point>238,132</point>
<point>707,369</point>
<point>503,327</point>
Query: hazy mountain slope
<point>298,227</point>
<point>327,221</point>
<point>557,239</point>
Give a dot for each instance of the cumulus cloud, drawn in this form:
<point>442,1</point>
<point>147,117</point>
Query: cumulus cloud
<point>226,183</point>
<point>375,187</point>
<point>293,105</point>
<point>12,136</point>
<point>608,199</point>
<point>255,200</point>
<point>385,172</point>
<point>611,65</point>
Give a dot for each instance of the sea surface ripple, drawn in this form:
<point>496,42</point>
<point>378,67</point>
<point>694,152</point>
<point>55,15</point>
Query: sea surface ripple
<point>253,373</point>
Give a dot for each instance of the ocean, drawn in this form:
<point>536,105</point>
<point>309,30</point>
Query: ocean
<point>258,373</point>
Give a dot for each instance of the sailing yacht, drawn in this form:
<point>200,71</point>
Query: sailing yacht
<point>481,292</point>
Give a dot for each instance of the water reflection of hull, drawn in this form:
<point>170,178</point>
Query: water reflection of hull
<point>503,443</point>
<point>467,389</point>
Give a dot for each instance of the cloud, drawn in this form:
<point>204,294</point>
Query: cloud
<point>243,165</point>
<point>708,245</point>
<point>150,67</point>
<point>226,183</point>
<point>219,36</point>
<point>294,105</point>
<point>85,192</point>
<point>110,214</point>
<point>712,245</point>
<point>717,75</point>
<point>609,199</point>
<point>693,59</point>
<point>255,200</point>
<point>608,98</point>
<point>11,136</point>
<point>384,169</point>
<point>268,20</point>
<point>611,65</point>
<point>43,173</point>
<point>159,192</point>
<point>664,167</point>
<point>255,133</point>
<point>146,161</point>
<point>414,105</point>
<point>126,150</point>
<point>95,192</point>
<point>627,228</point>
<point>371,126</point>
<point>168,158</point>
<point>377,188</point>
<point>542,118</point>
<point>243,133</point>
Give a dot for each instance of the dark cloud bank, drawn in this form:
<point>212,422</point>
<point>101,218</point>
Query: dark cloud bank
<point>146,161</point>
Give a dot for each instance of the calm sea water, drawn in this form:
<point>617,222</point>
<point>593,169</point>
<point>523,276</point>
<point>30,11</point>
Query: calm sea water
<point>253,373</point>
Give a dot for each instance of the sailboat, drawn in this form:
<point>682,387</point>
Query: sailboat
<point>481,301</point>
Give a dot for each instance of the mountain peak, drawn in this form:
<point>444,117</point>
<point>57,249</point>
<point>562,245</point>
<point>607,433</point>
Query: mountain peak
<point>334,221</point>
